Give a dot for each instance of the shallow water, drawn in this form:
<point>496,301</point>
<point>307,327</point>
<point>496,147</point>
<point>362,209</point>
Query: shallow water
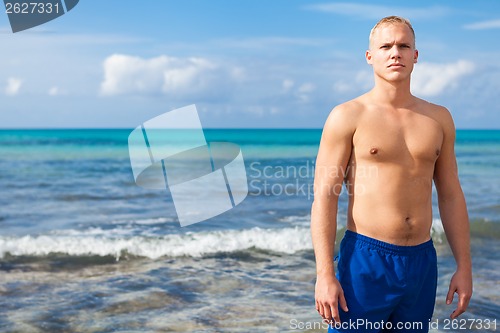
<point>83,249</point>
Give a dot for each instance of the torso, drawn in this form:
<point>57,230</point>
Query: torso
<point>390,173</point>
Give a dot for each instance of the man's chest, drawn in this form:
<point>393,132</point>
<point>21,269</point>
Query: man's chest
<point>398,139</point>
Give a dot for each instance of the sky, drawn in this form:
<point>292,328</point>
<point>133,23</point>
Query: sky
<point>244,64</point>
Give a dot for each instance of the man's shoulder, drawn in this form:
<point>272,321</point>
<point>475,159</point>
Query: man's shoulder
<point>438,112</point>
<point>344,117</point>
<point>350,109</point>
<point>354,105</point>
<point>431,106</point>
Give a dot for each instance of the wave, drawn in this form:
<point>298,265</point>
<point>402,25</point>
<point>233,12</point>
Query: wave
<point>287,240</point>
<point>147,221</point>
<point>121,243</point>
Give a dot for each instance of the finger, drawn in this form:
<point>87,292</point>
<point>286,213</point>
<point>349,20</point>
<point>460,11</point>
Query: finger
<point>317,306</point>
<point>320,310</point>
<point>457,312</point>
<point>453,315</point>
<point>463,301</point>
<point>450,295</point>
<point>343,303</point>
<point>327,313</point>
<point>335,313</point>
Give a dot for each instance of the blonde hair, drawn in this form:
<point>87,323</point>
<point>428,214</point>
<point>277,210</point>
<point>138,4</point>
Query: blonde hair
<point>392,20</point>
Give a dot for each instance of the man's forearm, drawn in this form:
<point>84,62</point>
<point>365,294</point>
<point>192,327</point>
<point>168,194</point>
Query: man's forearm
<point>323,231</point>
<point>456,225</point>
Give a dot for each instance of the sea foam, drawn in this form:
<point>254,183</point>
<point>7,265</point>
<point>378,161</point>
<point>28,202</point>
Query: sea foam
<point>118,242</point>
<point>286,240</point>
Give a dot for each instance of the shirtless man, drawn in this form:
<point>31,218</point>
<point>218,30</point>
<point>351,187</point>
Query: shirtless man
<point>388,146</point>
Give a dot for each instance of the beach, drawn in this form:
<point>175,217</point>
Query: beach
<point>84,249</point>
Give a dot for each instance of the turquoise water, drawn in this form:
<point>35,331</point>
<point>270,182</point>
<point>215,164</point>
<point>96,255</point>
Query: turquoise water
<point>110,256</point>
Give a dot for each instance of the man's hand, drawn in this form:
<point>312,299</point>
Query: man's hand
<point>461,283</point>
<point>329,295</point>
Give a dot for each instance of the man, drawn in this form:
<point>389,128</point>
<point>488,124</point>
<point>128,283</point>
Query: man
<point>388,146</point>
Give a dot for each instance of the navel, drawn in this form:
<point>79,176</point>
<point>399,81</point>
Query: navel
<point>373,151</point>
<point>438,152</point>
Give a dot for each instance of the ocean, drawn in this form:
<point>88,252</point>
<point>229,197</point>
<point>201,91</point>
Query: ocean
<point>84,249</point>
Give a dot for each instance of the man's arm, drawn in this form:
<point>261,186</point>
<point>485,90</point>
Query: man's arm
<point>331,164</point>
<point>454,216</point>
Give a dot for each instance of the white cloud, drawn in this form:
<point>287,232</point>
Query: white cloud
<point>124,74</point>
<point>428,79</point>
<point>179,76</point>
<point>13,86</point>
<point>306,88</point>
<point>342,87</point>
<point>304,92</point>
<point>361,81</point>
<point>431,79</point>
<point>287,85</point>
<point>376,12</point>
<point>54,91</point>
<point>493,24</point>
<point>274,110</point>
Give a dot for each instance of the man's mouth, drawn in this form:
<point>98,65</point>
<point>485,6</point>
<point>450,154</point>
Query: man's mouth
<point>397,64</point>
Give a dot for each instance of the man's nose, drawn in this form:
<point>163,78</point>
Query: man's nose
<point>395,52</point>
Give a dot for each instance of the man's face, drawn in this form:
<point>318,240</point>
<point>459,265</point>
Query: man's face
<point>392,52</point>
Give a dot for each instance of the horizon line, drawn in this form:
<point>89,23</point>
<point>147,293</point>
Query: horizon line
<point>205,128</point>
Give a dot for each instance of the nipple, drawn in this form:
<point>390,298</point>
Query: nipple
<point>373,151</point>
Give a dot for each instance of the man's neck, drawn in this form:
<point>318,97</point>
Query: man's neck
<point>394,94</point>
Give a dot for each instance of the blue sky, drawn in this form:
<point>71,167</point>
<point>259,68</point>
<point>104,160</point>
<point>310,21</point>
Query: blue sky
<point>245,63</point>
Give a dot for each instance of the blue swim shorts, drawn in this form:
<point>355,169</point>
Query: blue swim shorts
<point>388,288</point>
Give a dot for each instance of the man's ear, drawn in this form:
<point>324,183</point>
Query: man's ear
<point>415,57</point>
<point>368,57</point>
